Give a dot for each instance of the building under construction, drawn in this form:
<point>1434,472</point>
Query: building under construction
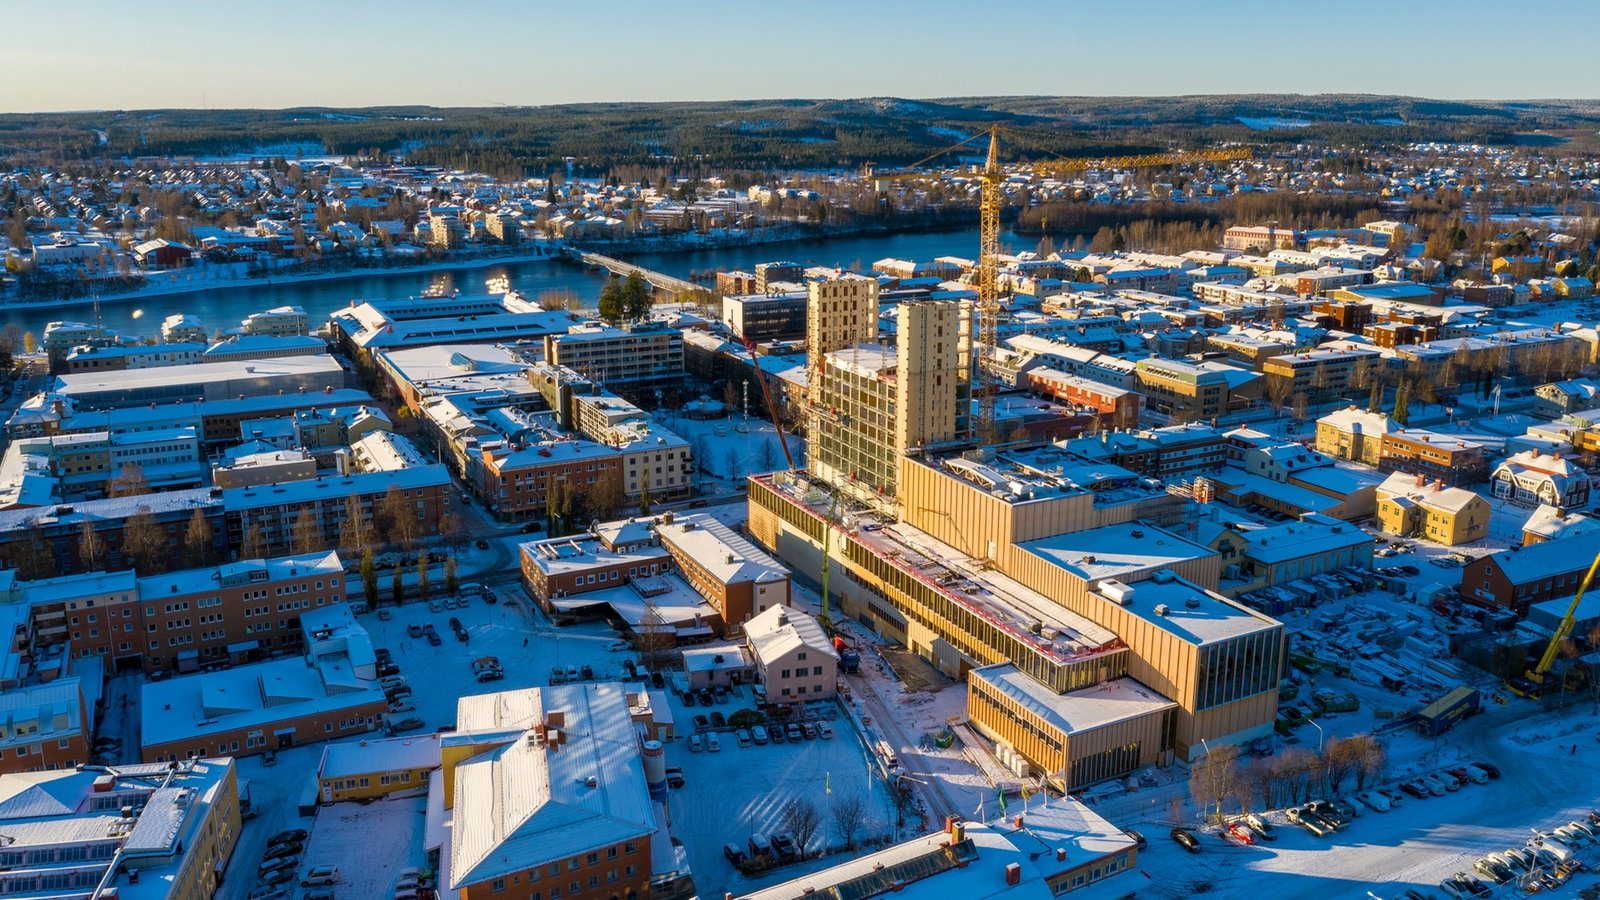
<point>1062,588</point>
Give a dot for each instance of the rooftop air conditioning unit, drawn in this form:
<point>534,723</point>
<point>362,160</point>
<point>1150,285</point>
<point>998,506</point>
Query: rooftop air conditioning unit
<point>1161,609</point>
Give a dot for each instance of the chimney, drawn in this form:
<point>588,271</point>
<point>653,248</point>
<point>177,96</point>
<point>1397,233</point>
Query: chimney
<point>1422,480</point>
<point>1438,484</point>
<point>556,719</point>
<point>1061,854</point>
<point>1013,873</point>
<point>1016,822</point>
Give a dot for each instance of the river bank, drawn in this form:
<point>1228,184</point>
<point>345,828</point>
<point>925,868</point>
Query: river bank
<point>226,276</point>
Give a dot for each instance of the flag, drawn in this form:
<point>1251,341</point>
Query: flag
<point>1000,792</point>
<point>830,784</point>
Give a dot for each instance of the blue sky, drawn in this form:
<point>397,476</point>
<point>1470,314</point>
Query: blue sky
<point>99,54</point>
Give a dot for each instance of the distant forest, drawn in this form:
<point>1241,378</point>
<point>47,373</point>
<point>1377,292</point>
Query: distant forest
<point>782,135</point>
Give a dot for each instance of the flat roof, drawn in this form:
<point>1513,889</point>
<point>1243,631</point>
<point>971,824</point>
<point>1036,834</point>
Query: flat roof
<point>347,758</point>
<point>193,706</point>
<point>1078,711</point>
<point>1113,551</point>
<point>1211,618</point>
<point>931,867</point>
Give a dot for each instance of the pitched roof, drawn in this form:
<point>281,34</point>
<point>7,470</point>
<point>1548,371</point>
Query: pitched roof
<point>529,803</point>
<point>780,629</point>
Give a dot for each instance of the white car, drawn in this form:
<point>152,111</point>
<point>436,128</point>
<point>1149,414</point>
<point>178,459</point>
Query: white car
<point>713,742</point>
<point>1373,801</point>
<point>695,745</point>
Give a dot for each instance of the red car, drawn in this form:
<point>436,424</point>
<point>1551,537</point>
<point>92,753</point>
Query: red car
<point>1241,833</point>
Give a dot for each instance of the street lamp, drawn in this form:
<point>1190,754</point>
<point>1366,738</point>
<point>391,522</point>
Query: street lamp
<point>1320,735</point>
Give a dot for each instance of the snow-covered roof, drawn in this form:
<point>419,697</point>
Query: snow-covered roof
<point>255,695</point>
<point>1545,559</point>
<point>1549,522</point>
<point>1115,551</point>
<point>933,867</point>
<point>341,760</point>
<point>1404,486</point>
<point>781,629</point>
<point>1117,700</point>
<point>1352,420</point>
<point>722,552</point>
<point>529,803</point>
<point>1311,535</point>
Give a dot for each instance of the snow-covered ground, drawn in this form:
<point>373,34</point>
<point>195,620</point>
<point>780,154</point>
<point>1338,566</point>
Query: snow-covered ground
<point>369,842</point>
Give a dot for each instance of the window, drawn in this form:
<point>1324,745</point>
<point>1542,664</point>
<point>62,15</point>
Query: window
<point>498,885</point>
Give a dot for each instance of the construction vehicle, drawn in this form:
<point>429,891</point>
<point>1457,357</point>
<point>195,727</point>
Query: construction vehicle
<point>1536,682</point>
<point>989,201</point>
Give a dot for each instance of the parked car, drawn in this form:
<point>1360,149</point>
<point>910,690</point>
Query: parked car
<point>793,732</point>
<point>713,742</point>
<point>1240,832</point>
<point>758,733</point>
<point>743,737</point>
<point>825,731</point>
<point>414,630</point>
<point>809,730</point>
<point>277,876</point>
<point>269,892</point>
<point>433,639</point>
<point>784,846</point>
<point>1415,789</point>
<point>675,777</point>
<point>1394,797</point>
<point>701,723</point>
<point>482,544</point>
<point>490,674</point>
<point>392,681</point>
<point>409,723</point>
<point>400,706</point>
<point>734,853</point>
<point>776,733</point>
<point>718,720</point>
<point>1138,839</point>
<point>1490,770</point>
<point>398,693</point>
<point>320,875</point>
<point>267,867</point>
<point>1261,826</point>
<point>287,837</point>
<point>1373,801</point>
<point>1186,840</point>
<point>454,622</point>
<point>1492,869</point>
<point>695,744</point>
<point>462,636</point>
<point>293,848</point>
<point>1309,821</point>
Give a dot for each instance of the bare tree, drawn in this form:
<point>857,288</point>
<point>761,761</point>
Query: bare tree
<point>357,532</point>
<point>129,482</point>
<point>1370,759</point>
<point>92,547</point>
<point>254,545</point>
<point>1278,389</point>
<point>1216,780</point>
<point>849,814</point>
<point>801,818</point>
<point>424,590</point>
<point>308,533</point>
<point>1339,758</point>
<point>199,540</point>
<point>655,639</point>
<point>400,519</point>
<point>144,543</point>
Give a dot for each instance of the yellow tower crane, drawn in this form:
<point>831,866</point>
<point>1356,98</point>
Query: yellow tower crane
<point>990,199</point>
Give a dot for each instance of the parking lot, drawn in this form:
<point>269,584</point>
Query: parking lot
<point>741,791</point>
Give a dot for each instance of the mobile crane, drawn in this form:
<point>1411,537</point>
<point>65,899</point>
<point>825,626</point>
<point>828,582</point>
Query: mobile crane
<point>1536,681</point>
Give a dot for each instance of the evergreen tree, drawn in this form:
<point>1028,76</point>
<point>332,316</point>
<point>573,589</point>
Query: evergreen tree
<point>1375,404</point>
<point>635,296</point>
<point>612,304</point>
<point>369,579</point>
<point>1402,404</point>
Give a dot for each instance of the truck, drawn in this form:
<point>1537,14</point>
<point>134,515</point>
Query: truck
<point>1437,717</point>
<point>849,658</point>
<point>1330,701</point>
